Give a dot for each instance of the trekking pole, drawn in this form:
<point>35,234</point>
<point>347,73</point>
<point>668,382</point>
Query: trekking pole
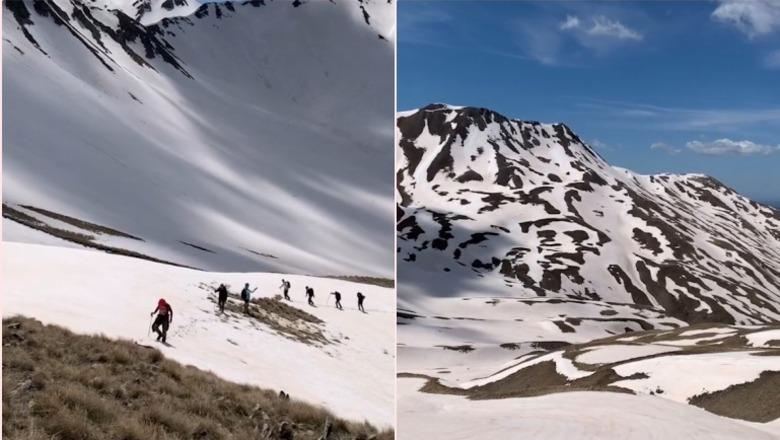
<point>149,328</point>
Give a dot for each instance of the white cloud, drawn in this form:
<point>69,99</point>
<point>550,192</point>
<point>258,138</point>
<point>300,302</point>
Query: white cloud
<point>661,146</point>
<point>686,119</point>
<point>727,146</point>
<point>599,144</point>
<point>540,42</point>
<point>604,27</point>
<point>572,22</point>
<point>719,147</point>
<point>753,17</point>
<point>772,60</point>
<point>601,26</point>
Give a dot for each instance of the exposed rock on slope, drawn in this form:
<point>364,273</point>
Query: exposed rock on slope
<point>524,208</point>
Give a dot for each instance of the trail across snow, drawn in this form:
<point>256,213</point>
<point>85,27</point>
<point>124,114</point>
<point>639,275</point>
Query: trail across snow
<point>92,292</point>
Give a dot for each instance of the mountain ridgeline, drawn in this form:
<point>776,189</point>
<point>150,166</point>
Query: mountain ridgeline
<point>528,209</point>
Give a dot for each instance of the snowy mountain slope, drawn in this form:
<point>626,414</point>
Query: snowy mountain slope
<point>520,249</point>
<point>152,11</point>
<point>502,206</point>
<point>346,365</point>
<point>244,128</point>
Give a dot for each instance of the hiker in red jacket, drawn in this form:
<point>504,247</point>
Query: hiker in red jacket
<point>163,320</point>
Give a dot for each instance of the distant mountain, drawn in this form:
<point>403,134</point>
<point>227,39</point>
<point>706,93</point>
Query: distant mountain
<point>230,136</point>
<point>496,206</point>
<point>775,204</point>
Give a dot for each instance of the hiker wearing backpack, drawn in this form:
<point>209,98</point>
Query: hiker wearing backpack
<point>163,320</point>
<point>337,294</point>
<point>246,295</point>
<point>222,297</point>
<point>310,295</point>
<point>286,289</point>
<point>360,298</point>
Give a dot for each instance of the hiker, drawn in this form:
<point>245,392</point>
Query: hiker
<point>163,320</point>
<point>246,295</point>
<point>222,297</point>
<point>310,295</point>
<point>361,297</point>
<point>337,294</point>
<point>286,289</point>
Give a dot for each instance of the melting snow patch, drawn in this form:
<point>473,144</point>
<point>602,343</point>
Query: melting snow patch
<point>761,339</point>
<point>607,354</point>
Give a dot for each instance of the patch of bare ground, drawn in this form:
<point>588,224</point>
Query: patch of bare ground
<point>407,314</point>
<point>756,401</point>
<point>58,385</point>
<point>433,386</point>
<point>543,378</point>
<point>195,246</point>
<point>775,352</point>
<point>261,254</point>
<point>536,345</point>
<point>536,380</point>
<point>81,224</point>
<point>374,281</point>
<point>82,239</point>
<point>287,321</point>
<point>728,342</point>
<point>460,348</point>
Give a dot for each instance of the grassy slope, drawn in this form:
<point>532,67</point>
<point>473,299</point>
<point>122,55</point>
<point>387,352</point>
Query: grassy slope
<point>70,387</point>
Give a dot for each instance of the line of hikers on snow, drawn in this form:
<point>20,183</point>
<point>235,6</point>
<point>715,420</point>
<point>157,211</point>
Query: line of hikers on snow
<point>165,311</point>
<point>246,296</point>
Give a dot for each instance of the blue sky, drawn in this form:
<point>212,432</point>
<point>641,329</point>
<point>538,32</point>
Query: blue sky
<point>654,86</point>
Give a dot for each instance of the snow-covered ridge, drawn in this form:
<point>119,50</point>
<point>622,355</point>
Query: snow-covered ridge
<point>243,128</point>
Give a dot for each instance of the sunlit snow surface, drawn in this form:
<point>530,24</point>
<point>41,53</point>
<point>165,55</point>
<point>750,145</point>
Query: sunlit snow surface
<point>565,416</point>
<point>96,293</point>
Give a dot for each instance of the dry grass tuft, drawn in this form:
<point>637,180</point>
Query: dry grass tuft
<point>58,385</point>
<point>287,321</point>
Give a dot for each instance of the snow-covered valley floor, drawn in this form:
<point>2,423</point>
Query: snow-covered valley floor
<point>491,367</point>
<point>577,415</point>
<point>88,292</point>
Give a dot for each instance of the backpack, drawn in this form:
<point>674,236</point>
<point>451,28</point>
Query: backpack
<point>245,294</point>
